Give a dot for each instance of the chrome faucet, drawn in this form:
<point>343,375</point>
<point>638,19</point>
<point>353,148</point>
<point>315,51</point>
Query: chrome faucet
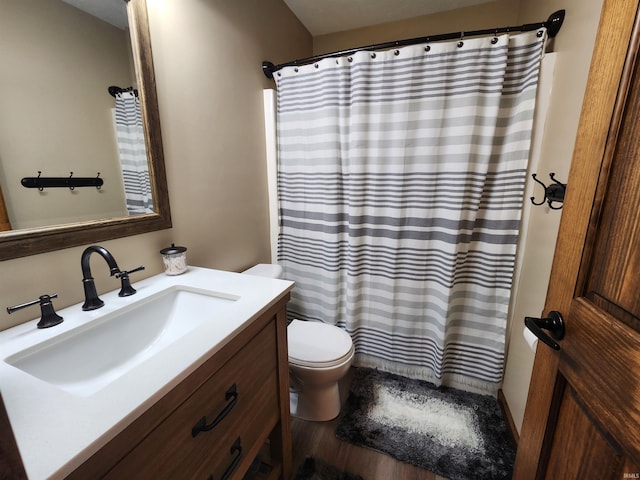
<point>91,299</point>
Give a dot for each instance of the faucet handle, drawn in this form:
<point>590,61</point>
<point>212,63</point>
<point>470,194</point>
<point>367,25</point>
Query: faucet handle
<point>49,317</point>
<point>126,288</point>
<point>137,269</point>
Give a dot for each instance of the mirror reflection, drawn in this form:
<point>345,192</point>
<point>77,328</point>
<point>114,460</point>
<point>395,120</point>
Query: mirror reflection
<point>58,118</point>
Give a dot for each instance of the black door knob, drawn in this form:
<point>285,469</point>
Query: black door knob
<point>554,323</point>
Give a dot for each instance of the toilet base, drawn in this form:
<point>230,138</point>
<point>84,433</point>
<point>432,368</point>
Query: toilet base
<point>316,404</point>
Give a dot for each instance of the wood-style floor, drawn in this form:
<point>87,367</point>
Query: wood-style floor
<point>318,439</point>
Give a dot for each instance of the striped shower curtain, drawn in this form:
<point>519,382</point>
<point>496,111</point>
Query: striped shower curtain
<point>400,178</point>
<point>133,154</point>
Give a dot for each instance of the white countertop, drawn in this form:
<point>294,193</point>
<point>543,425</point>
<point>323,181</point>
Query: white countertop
<point>56,431</point>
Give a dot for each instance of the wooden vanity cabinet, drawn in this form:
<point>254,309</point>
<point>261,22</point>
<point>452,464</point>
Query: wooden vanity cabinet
<point>215,422</point>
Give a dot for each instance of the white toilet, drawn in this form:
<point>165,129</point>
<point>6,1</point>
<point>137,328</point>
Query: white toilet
<point>319,356</point>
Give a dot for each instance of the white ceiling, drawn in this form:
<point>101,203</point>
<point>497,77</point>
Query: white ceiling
<point>111,11</point>
<point>319,16</point>
<point>330,16</point>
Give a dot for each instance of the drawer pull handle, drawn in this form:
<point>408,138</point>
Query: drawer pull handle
<point>202,426</point>
<point>235,448</point>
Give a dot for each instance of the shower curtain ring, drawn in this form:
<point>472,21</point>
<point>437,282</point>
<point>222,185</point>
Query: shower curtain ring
<point>461,43</point>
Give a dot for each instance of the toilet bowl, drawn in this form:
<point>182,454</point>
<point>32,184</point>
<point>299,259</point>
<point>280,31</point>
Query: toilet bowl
<point>319,356</point>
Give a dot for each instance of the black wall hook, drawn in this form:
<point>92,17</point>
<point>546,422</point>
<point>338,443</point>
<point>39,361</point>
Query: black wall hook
<point>552,193</point>
<point>69,182</point>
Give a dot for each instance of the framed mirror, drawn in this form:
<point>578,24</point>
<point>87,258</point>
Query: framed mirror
<point>21,242</point>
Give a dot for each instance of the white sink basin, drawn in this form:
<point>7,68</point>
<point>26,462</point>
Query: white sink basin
<point>88,358</point>
<point>70,389</point>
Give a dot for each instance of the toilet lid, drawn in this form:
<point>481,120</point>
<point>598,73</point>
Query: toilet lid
<point>317,343</point>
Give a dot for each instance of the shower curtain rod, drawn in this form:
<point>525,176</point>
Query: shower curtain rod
<point>553,24</point>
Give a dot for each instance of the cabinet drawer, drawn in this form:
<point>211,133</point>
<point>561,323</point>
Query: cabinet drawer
<point>195,440</point>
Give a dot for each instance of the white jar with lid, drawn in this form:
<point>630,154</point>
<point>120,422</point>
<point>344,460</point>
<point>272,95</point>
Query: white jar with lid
<point>175,259</point>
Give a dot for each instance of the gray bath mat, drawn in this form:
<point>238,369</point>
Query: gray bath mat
<point>455,434</point>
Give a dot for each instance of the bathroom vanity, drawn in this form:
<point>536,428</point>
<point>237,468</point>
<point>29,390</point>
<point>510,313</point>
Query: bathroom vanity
<point>209,404</point>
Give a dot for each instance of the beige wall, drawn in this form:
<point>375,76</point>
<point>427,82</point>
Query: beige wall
<point>574,46</point>
<point>486,15</point>
<point>56,112</point>
<point>208,56</point>
<point>208,62</point>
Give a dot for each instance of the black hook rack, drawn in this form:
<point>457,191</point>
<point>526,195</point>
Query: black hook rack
<point>69,182</point>
<point>552,193</point>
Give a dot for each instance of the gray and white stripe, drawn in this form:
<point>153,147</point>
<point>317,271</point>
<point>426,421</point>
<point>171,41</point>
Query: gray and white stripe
<point>133,154</point>
<point>400,181</point>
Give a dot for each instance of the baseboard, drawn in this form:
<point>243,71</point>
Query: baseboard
<point>511,426</point>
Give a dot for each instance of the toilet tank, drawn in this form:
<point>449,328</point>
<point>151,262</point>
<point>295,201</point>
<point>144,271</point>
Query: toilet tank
<point>270,270</point>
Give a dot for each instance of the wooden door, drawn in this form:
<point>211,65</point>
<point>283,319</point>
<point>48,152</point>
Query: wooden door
<point>582,419</point>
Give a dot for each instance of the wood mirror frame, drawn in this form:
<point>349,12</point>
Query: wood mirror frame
<point>24,242</point>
